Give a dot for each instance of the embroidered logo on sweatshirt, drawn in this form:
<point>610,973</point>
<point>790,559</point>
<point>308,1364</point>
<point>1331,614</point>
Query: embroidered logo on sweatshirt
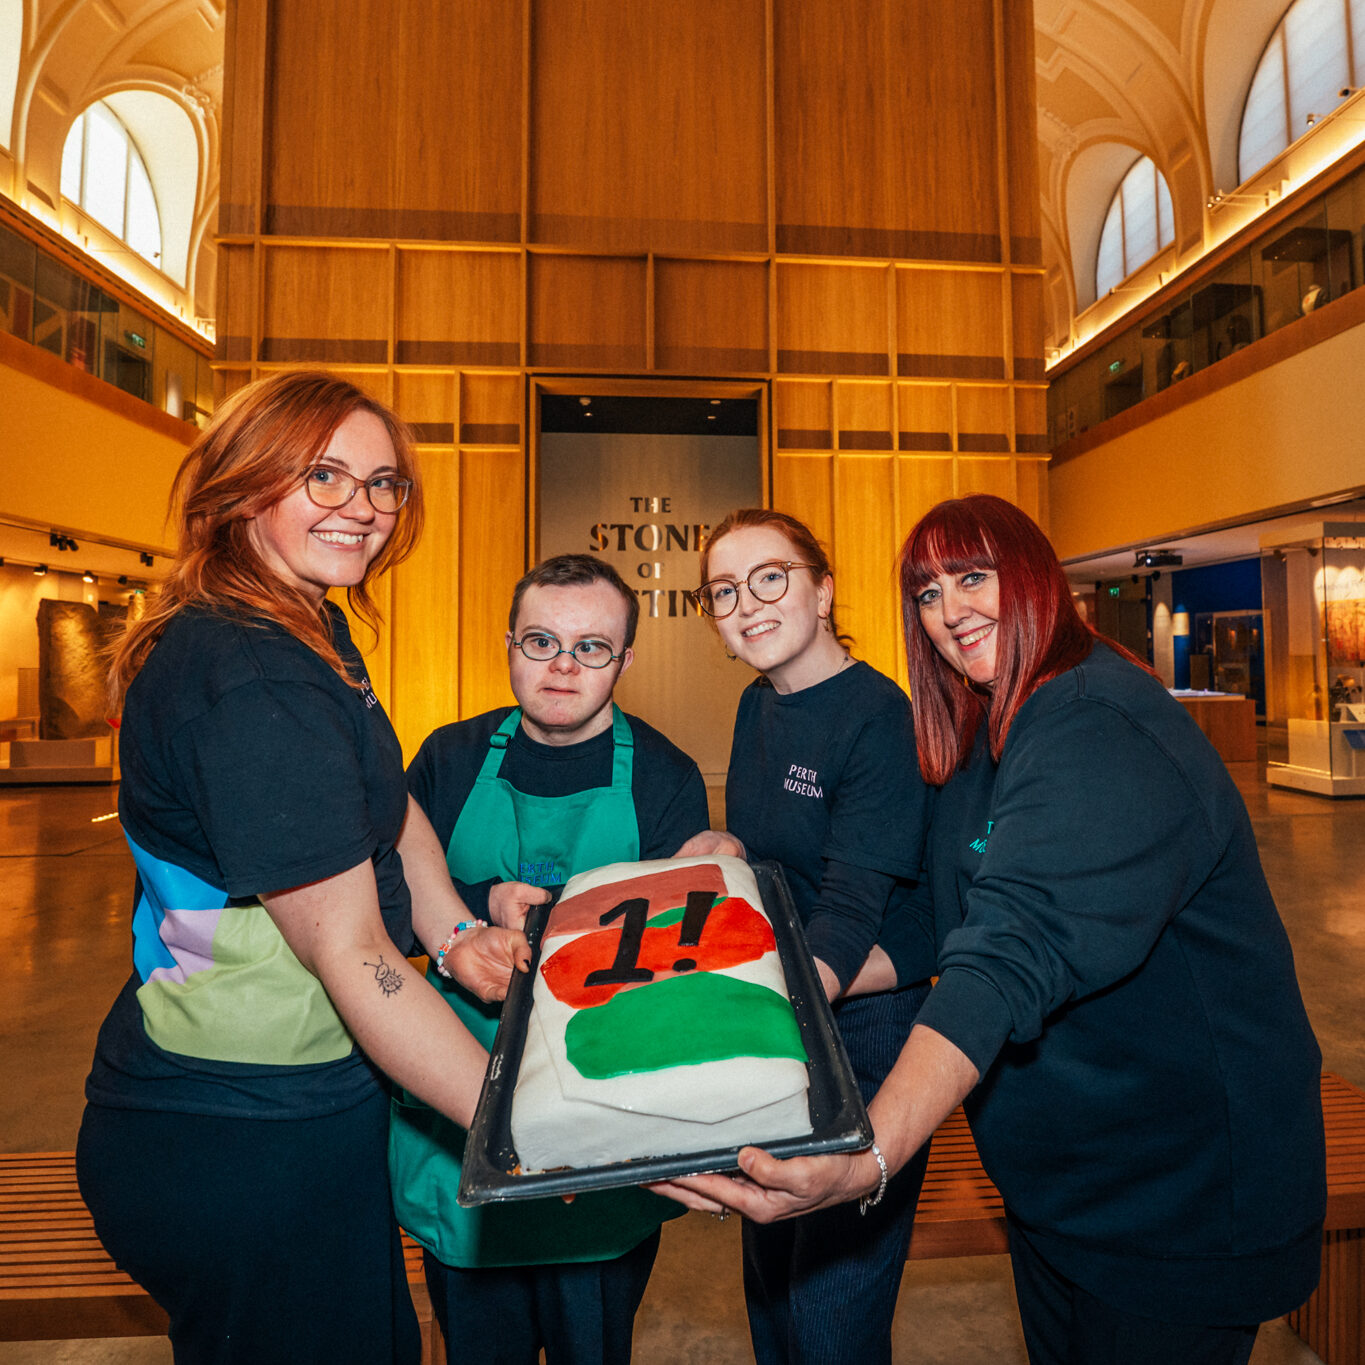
<point>979,845</point>
<point>803,782</point>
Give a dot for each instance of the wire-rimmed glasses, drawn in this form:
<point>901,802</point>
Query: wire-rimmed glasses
<point>542,648</point>
<point>767,582</point>
<point>329,487</point>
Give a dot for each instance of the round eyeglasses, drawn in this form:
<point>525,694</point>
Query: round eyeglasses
<point>766,583</point>
<point>542,648</point>
<point>329,487</point>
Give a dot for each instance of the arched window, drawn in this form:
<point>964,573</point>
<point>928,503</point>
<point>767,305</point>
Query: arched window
<point>1316,52</point>
<point>103,172</point>
<point>1138,225</point>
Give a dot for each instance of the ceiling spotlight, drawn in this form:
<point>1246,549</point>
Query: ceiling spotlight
<point>39,570</point>
<point>715,402</point>
<point>584,402</point>
<point>123,580</point>
<point>87,577</point>
<point>144,558</point>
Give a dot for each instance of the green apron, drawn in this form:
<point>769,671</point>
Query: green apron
<point>543,840</point>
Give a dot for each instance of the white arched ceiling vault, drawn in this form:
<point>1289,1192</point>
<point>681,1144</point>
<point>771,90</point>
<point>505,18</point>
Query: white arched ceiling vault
<point>159,65</point>
<point>1119,79</point>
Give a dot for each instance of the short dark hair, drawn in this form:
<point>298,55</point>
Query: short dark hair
<point>576,571</point>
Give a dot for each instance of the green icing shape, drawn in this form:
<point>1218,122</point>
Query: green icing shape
<point>680,1021</point>
<point>665,918</point>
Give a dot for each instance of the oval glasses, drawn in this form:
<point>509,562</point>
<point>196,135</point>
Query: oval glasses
<point>766,582</point>
<point>542,648</point>
<point>329,487</point>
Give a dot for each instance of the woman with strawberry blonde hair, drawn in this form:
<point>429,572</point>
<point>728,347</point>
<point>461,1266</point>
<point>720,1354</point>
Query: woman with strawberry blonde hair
<point>1116,1001</point>
<point>817,782</point>
<point>232,1150</point>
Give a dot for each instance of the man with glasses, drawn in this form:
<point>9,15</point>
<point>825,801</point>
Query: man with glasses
<point>522,798</point>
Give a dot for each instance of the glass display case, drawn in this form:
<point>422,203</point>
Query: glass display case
<point>1313,589</point>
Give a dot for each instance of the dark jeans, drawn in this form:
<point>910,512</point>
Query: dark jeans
<point>821,1289</point>
<point>268,1242</point>
<point>581,1313</point>
<point>1063,1325</point>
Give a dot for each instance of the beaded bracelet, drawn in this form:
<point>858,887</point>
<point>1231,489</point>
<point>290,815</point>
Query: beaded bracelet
<point>870,1201</point>
<point>450,943</point>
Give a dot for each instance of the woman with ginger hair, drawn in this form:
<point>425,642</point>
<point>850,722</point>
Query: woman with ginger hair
<point>1116,1000</point>
<point>232,1150</point>
<point>817,782</point>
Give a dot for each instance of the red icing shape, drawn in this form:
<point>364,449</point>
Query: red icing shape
<point>734,933</point>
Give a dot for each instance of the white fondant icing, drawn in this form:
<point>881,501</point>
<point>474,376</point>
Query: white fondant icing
<point>561,1118</point>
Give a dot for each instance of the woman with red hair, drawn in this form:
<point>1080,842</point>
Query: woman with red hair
<point>233,1146</point>
<point>1116,1001</point>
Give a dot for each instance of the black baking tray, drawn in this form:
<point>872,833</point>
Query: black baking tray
<point>839,1121</point>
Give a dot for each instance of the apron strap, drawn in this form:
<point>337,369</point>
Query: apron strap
<point>497,746</point>
<point>623,750</point>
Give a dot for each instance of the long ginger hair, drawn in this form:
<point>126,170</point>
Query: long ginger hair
<point>260,443</point>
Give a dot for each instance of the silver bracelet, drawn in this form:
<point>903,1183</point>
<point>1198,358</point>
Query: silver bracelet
<point>870,1201</point>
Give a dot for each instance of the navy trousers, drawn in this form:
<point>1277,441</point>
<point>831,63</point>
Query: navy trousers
<point>821,1289</point>
<point>267,1242</point>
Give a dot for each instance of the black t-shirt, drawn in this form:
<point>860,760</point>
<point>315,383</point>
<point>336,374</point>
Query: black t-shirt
<point>249,767</point>
<point>666,785</point>
<point>826,782</point>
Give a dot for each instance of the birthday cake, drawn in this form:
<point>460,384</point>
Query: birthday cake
<point>660,1021</point>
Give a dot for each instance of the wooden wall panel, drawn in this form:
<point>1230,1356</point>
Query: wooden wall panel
<point>942,119</point>
<point>458,308</point>
<point>864,555</point>
<point>419,138</point>
<point>1030,420</point>
<point>587,312</point>
<point>1031,489</point>
<point>648,125</point>
<point>455,86</point>
<point>244,73</point>
<point>329,164</point>
<point>426,400</point>
<point>803,414</point>
<point>984,418</point>
<point>1021,141</point>
<point>832,132</point>
<point>986,476</point>
<point>925,481</point>
<point>236,321</point>
<point>711,317</point>
<point>803,487</point>
<point>950,324</point>
<point>492,558</point>
<point>491,409</point>
<point>866,414</point>
<point>426,611</point>
<point>1028,320</point>
<point>831,319</point>
<point>593,188</point>
<point>925,417</point>
<point>326,305</point>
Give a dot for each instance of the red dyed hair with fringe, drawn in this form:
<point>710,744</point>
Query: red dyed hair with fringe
<point>260,443</point>
<point>1039,633</point>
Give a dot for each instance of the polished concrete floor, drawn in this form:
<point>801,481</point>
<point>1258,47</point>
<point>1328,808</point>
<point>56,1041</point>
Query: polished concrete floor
<point>65,886</point>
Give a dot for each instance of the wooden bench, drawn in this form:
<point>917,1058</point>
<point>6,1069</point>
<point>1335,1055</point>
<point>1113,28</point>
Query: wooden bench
<point>56,1282</point>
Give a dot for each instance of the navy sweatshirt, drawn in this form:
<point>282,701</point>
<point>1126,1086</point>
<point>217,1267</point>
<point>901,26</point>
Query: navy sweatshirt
<point>826,782</point>
<point>1111,960</point>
